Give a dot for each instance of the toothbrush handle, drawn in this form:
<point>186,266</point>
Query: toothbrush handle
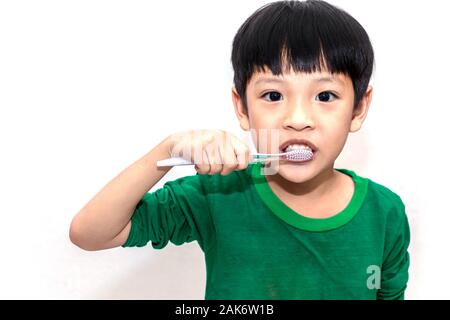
<point>175,161</point>
<point>178,161</point>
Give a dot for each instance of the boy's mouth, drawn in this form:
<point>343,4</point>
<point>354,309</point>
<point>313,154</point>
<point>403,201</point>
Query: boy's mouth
<point>302,145</point>
<point>297,144</point>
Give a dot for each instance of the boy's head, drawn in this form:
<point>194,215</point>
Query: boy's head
<point>310,36</point>
<point>294,43</point>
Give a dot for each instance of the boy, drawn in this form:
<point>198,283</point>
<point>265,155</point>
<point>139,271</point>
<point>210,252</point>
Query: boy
<point>303,230</point>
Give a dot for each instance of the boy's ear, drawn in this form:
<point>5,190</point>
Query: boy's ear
<point>240,110</point>
<point>360,113</point>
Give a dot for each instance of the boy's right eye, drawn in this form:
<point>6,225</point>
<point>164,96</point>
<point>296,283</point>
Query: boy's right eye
<point>273,95</point>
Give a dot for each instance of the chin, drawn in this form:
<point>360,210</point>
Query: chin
<point>296,172</point>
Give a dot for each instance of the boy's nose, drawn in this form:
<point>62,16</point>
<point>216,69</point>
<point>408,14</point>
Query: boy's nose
<point>298,117</point>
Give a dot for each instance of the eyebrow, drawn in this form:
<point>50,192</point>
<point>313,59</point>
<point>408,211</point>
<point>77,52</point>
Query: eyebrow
<point>276,80</point>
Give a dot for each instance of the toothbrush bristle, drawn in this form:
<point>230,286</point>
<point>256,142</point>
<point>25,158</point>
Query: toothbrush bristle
<point>299,155</point>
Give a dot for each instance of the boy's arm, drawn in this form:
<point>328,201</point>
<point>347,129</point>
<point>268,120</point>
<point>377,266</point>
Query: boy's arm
<point>104,222</point>
<point>394,275</point>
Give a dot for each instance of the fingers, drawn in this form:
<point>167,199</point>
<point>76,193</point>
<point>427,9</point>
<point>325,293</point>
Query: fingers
<point>220,152</point>
<point>242,153</point>
<point>214,156</point>
<point>230,162</point>
<point>203,166</point>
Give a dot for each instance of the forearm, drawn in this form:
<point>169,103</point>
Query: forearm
<point>108,213</point>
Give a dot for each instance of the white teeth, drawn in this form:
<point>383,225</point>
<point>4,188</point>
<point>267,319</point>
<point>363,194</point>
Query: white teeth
<point>297,147</point>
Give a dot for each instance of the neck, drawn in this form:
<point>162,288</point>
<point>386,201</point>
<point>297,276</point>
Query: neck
<point>313,189</point>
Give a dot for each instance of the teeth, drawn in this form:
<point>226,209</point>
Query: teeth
<point>297,147</point>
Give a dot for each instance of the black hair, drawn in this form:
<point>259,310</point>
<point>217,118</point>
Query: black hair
<point>308,36</point>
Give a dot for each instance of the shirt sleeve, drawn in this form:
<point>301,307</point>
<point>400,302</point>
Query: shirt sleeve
<point>178,212</point>
<point>394,273</point>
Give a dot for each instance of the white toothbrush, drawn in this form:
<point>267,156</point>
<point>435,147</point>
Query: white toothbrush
<point>299,155</point>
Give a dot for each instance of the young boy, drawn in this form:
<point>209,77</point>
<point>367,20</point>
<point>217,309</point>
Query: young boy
<point>303,230</point>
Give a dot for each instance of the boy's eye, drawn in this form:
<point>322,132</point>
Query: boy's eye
<point>325,96</point>
<point>273,95</point>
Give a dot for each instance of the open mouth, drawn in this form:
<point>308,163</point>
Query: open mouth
<point>299,151</point>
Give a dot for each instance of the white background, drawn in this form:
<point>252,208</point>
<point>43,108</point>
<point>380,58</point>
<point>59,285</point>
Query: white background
<point>88,87</point>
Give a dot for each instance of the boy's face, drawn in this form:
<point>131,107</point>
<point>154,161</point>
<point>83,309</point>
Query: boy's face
<point>316,107</point>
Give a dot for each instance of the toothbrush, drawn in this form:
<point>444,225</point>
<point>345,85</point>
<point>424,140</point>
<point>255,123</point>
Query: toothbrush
<point>298,155</point>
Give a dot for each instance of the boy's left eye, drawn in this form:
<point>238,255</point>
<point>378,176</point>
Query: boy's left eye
<point>326,96</point>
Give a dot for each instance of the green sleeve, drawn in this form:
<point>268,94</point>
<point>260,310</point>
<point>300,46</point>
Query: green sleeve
<point>178,212</point>
<point>394,273</point>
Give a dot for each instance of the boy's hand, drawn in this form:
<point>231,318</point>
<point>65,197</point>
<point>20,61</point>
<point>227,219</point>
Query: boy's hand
<point>212,151</point>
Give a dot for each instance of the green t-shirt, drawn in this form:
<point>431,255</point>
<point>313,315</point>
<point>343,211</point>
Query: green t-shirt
<point>256,247</point>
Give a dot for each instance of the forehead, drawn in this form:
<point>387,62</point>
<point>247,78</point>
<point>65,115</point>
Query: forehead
<point>260,78</point>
